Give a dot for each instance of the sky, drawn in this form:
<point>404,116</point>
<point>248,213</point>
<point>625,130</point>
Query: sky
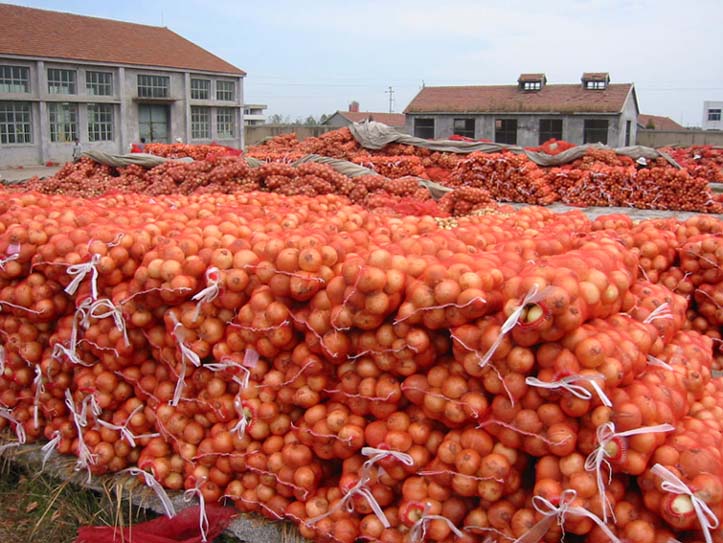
<point>308,57</point>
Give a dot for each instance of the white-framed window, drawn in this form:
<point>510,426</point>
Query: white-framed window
<point>714,114</point>
<point>61,81</point>
<point>15,79</point>
<point>225,91</point>
<point>200,89</point>
<point>99,83</point>
<point>15,123</point>
<point>153,86</point>
<point>531,85</point>
<point>63,122</point>
<point>225,122</point>
<point>595,85</point>
<point>100,122</point>
<point>200,123</point>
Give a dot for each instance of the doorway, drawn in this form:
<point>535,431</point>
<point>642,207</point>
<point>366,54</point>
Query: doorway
<point>153,122</point>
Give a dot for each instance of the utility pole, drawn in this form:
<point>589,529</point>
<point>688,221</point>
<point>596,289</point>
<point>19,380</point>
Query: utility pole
<point>390,92</point>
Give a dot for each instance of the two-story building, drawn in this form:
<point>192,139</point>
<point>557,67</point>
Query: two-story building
<point>108,84</point>
<point>530,112</point>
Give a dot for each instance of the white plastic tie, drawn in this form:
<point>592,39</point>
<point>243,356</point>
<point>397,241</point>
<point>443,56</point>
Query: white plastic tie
<point>202,517</point>
<point>79,271</point>
<point>599,456</point>
<point>154,485</point>
<point>39,389</point>
<point>50,446</point>
<point>7,414</point>
<point>671,483</point>
<point>85,457</point>
<point>418,531</point>
<point>534,295</point>
<point>12,252</point>
<point>104,308</point>
<point>653,361</point>
<point>208,294</point>
<point>558,513</point>
<point>125,433</point>
<point>567,383</point>
<point>2,360</point>
<point>660,312</point>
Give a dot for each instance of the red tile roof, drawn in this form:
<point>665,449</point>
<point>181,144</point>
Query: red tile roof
<point>390,119</point>
<point>659,123</point>
<point>510,99</point>
<point>596,76</point>
<point>51,34</point>
<point>531,77</point>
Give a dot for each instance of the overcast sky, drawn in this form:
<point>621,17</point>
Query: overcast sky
<point>308,57</point>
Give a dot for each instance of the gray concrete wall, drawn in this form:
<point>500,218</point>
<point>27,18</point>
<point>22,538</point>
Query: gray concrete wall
<point>256,134</point>
<point>528,126</point>
<point>336,121</point>
<point>125,110</point>
<point>685,138</point>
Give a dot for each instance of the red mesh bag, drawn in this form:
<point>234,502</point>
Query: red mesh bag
<point>183,528</point>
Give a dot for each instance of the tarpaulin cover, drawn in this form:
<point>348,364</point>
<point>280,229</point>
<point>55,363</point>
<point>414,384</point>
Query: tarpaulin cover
<point>141,159</point>
<point>183,528</point>
<point>374,135</point>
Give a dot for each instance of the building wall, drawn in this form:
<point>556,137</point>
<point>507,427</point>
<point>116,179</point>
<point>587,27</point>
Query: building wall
<point>125,103</point>
<point>527,126</point>
<point>336,121</point>
<point>686,138</point>
<point>712,125</point>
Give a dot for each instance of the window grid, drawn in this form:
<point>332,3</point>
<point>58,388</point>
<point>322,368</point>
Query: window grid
<point>63,122</point>
<point>100,122</point>
<point>595,85</point>
<point>506,131</point>
<point>549,129</point>
<point>14,79</point>
<point>225,125</point>
<point>61,81</point>
<point>424,128</point>
<point>153,86</point>
<point>464,127</point>
<point>714,114</point>
<point>532,85</point>
<point>99,83</point>
<point>200,123</point>
<point>595,131</point>
<point>15,125</point>
<point>200,89</point>
<point>225,90</point>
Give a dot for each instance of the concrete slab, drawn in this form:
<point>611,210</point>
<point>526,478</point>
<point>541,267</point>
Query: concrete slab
<point>16,175</point>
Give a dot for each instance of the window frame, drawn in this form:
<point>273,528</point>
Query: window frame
<point>14,81</point>
<point>503,133</point>
<point>549,132</point>
<point>588,132</point>
<point>69,125</point>
<point>230,122</point>
<point>100,129</point>
<point>26,123</point>
<point>422,131</point>
<point>591,84</point>
<point>153,84</point>
<point>532,85</point>
<point>197,111</point>
<point>207,90</point>
<point>714,114</point>
<point>92,86</point>
<point>219,91</point>
<point>465,131</point>
<point>67,79</point>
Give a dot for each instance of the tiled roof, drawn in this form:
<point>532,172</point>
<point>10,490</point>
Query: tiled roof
<point>51,34</point>
<point>510,99</point>
<point>531,77</point>
<point>659,122</point>
<point>390,119</point>
<point>596,76</point>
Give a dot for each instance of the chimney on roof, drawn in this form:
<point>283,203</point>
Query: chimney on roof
<point>531,82</point>
<point>595,80</point>
<point>354,107</point>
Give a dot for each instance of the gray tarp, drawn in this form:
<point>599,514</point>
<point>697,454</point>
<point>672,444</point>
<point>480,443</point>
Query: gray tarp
<point>118,161</point>
<point>344,167</point>
<point>374,135</point>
